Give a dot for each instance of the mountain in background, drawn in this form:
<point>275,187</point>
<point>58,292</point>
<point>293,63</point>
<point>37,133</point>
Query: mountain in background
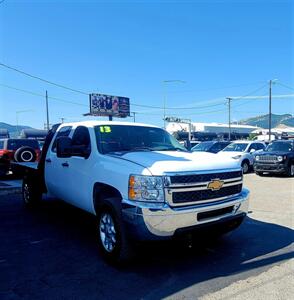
<point>262,121</point>
<point>13,129</point>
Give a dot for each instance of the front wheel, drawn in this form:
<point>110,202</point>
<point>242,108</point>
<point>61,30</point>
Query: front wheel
<point>113,242</point>
<point>245,166</point>
<point>30,192</point>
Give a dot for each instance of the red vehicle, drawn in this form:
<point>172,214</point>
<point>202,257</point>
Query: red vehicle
<point>20,150</point>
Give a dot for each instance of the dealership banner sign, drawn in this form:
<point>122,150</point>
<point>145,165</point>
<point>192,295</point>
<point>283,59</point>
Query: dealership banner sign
<point>106,105</point>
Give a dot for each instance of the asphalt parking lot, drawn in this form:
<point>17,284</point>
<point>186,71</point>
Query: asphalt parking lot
<point>50,253</point>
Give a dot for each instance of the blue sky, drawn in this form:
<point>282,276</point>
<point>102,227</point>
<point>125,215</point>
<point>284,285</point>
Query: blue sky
<point>128,48</point>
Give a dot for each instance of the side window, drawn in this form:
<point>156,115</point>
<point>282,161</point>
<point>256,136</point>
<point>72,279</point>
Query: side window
<point>81,138</point>
<point>216,147</point>
<point>260,146</point>
<point>64,131</point>
<point>254,146</point>
<point>251,147</point>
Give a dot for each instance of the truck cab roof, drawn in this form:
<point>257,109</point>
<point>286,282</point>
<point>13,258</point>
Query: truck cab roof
<point>97,123</point>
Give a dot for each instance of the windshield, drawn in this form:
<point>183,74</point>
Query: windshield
<point>237,147</point>
<point>125,138</point>
<point>204,146</point>
<point>284,147</point>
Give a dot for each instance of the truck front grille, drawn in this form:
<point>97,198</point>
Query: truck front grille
<point>197,178</point>
<point>196,188</point>
<point>194,196</point>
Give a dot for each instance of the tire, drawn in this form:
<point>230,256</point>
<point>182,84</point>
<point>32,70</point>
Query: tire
<point>245,166</point>
<point>25,154</point>
<point>113,243</point>
<point>290,170</point>
<point>31,194</point>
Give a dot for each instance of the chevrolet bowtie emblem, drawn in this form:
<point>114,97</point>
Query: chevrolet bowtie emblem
<point>215,185</point>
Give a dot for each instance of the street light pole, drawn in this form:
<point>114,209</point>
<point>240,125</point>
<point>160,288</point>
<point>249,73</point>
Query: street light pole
<point>271,82</point>
<point>229,104</point>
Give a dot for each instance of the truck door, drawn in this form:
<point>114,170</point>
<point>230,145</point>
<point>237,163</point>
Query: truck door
<point>78,172</point>
<point>54,170</point>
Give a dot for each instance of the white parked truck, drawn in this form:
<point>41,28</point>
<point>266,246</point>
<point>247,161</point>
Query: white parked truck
<point>139,182</point>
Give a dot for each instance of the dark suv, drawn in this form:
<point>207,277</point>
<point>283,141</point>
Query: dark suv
<point>20,150</point>
<point>278,157</point>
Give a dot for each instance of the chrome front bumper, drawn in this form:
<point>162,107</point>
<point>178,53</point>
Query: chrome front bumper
<point>147,222</point>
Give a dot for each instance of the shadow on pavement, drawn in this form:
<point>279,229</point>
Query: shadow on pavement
<point>52,251</point>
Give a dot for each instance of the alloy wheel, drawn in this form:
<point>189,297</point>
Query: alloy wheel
<point>107,232</point>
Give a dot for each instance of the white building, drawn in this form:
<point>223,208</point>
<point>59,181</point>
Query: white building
<point>279,130</point>
<point>210,127</point>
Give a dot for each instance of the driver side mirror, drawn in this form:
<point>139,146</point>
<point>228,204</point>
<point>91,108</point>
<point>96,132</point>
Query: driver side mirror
<point>252,150</point>
<point>63,147</point>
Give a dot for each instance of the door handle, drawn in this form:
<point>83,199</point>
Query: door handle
<point>48,160</point>
<point>65,164</point>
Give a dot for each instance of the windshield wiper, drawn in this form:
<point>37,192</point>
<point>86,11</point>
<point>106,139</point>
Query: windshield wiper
<point>135,149</point>
<point>172,149</point>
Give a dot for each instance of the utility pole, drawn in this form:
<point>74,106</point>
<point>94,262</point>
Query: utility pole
<point>62,120</point>
<point>164,104</point>
<point>47,110</point>
<point>229,105</point>
<point>270,111</point>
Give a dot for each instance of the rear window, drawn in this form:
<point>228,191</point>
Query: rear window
<point>18,143</point>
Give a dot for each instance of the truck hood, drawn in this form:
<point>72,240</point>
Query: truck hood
<point>163,162</point>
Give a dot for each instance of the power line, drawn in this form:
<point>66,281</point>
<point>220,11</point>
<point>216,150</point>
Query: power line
<point>133,104</point>
<point>138,105</point>
<point>216,88</point>
<point>176,108</point>
<point>44,80</point>
<point>284,85</point>
<point>204,106</point>
<point>248,94</point>
<point>266,96</point>
<point>40,95</point>
<point>84,105</point>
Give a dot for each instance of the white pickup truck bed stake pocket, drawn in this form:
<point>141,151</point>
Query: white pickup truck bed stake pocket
<point>138,180</point>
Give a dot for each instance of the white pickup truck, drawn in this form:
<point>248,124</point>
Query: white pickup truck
<point>139,182</point>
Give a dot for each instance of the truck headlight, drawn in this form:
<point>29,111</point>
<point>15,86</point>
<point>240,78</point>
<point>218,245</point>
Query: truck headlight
<point>236,157</point>
<point>280,158</point>
<point>146,188</point>
<point>257,157</point>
